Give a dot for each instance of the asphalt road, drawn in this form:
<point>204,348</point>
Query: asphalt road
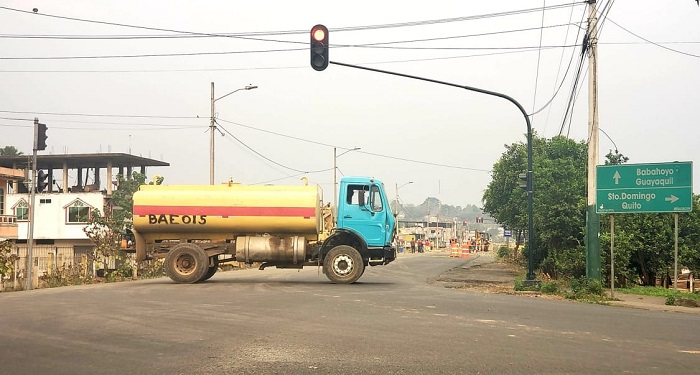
<point>396,320</point>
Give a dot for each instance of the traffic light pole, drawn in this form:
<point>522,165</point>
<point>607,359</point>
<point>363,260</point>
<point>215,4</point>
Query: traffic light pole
<point>530,189</point>
<point>29,284</point>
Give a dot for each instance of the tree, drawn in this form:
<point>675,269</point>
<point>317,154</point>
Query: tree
<point>7,261</point>
<point>106,230</point>
<point>689,238</point>
<point>10,151</point>
<point>559,179</point>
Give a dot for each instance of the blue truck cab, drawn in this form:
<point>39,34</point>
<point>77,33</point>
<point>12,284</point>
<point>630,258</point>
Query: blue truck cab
<point>364,231</point>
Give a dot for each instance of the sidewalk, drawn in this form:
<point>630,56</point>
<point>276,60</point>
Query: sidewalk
<point>482,272</point>
<point>650,303</point>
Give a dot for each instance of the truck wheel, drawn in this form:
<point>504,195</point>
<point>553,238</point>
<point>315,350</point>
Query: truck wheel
<point>343,265</point>
<point>186,264</point>
<point>211,270</point>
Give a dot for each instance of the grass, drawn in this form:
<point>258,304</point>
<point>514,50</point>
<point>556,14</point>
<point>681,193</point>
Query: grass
<point>658,292</point>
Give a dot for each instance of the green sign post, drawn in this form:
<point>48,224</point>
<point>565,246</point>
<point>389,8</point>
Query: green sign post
<point>644,188</point>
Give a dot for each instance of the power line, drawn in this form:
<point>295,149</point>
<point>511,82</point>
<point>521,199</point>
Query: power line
<point>561,60</point>
<point>98,115</point>
<point>270,68</point>
<point>566,73</point>
<point>358,151</point>
<point>539,55</point>
<point>253,35</point>
<point>651,42</point>
<point>241,36</point>
<point>265,157</point>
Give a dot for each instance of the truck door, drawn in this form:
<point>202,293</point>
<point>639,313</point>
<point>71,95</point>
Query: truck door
<point>364,212</point>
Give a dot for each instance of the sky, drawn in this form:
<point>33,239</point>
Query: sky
<point>135,77</point>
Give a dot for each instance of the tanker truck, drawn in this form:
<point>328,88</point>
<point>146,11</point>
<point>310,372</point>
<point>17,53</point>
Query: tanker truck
<point>194,227</point>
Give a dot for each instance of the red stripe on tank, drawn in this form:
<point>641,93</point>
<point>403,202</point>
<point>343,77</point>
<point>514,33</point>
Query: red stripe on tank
<point>306,212</point>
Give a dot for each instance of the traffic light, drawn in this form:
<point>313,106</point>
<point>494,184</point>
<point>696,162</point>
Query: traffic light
<point>41,180</point>
<point>41,136</point>
<point>523,180</point>
<point>319,47</point>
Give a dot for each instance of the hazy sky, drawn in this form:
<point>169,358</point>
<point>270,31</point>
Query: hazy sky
<point>443,139</point>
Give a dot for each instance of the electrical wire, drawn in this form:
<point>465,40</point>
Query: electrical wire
<point>267,68</point>
<point>566,73</point>
<point>539,55</point>
<point>358,151</point>
<point>654,43</point>
<point>263,156</point>
<point>374,45</point>
<point>98,115</point>
<point>250,35</point>
<point>555,89</point>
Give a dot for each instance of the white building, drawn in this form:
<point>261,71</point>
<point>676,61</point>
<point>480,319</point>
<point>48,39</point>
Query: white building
<point>63,205</point>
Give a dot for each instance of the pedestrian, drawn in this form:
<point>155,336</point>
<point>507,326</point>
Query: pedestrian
<point>420,246</point>
<point>413,246</point>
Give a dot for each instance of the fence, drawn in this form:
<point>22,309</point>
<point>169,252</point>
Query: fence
<point>48,260</point>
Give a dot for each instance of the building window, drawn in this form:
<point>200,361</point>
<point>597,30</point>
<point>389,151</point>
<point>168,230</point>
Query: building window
<point>78,212</point>
<point>22,211</point>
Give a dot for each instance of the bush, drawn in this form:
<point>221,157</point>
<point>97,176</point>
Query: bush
<point>528,285</point>
<point>551,287</point>
<point>151,269</point>
<point>585,288</point>
<point>503,252</point>
<point>67,274</point>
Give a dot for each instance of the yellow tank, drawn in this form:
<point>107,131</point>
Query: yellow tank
<point>233,209</point>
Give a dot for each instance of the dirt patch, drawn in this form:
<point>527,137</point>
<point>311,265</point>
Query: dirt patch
<point>488,277</point>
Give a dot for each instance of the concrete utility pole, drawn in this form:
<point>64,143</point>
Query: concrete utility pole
<point>592,218</point>
<point>212,127</point>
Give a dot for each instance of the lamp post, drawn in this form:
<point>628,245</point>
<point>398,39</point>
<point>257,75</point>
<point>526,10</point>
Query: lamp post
<point>335,176</point>
<point>212,128</point>
<point>396,208</point>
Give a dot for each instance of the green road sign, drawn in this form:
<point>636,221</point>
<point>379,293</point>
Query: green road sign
<point>644,188</point>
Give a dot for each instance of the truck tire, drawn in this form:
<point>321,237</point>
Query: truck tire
<point>211,270</point>
<point>343,265</point>
<point>186,264</point>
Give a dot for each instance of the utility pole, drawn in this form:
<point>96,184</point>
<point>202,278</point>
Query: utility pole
<point>592,218</point>
<point>212,130</point>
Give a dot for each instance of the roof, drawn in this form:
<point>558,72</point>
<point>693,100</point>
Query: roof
<point>11,174</point>
<point>99,160</point>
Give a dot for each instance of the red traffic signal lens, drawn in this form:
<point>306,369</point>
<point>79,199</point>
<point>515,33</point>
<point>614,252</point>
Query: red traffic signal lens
<point>318,34</point>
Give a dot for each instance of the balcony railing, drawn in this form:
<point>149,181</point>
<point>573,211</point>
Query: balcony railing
<point>8,227</point>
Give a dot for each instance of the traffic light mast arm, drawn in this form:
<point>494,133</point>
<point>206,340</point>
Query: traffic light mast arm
<point>530,190</point>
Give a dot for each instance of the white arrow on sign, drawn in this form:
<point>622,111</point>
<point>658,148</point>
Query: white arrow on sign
<point>671,199</point>
<point>616,177</point>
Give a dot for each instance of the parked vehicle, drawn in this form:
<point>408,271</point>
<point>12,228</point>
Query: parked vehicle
<point>196,227</point>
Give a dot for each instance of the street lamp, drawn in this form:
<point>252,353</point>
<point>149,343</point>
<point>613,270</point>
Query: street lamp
<point>396,208</point>
<point>212,127</point>
<point>335,176</point>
